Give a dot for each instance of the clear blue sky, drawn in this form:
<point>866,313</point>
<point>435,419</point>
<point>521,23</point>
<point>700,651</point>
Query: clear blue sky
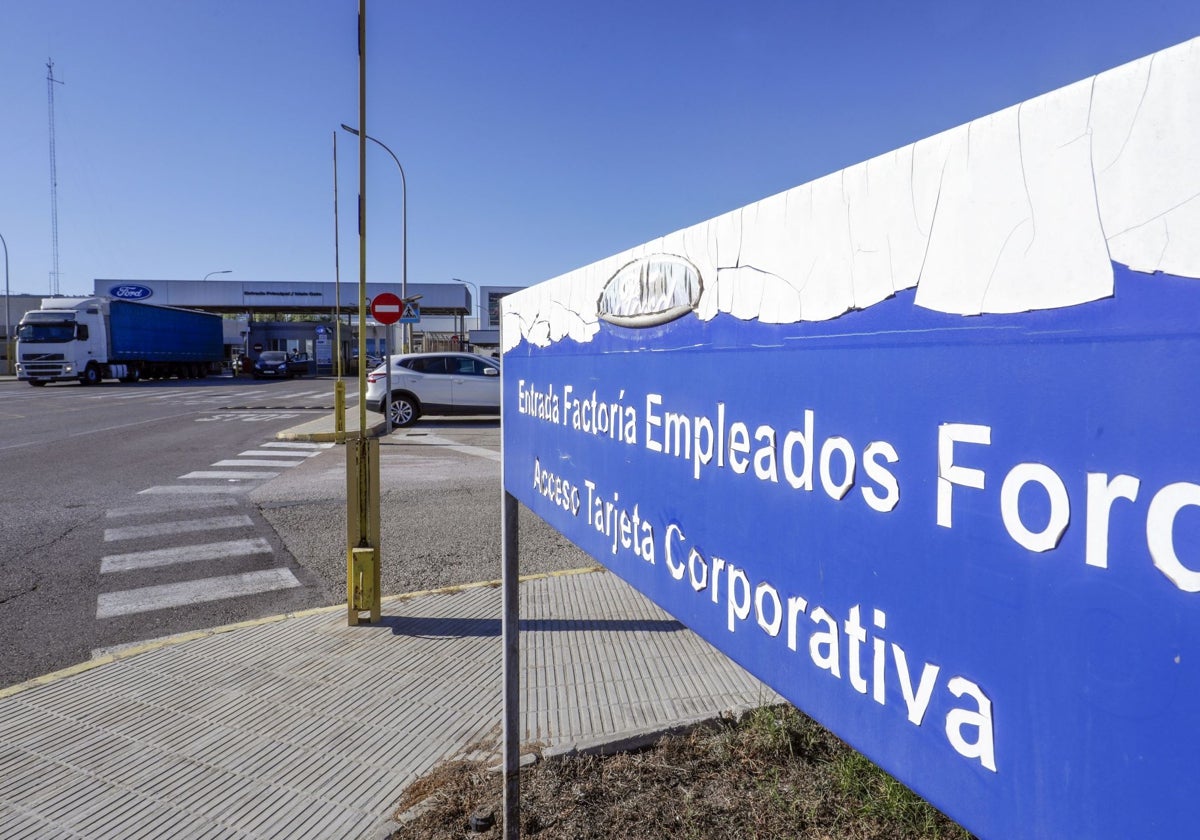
<point>537,137</point>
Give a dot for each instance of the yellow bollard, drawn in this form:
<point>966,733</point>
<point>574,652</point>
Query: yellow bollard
<point>339,411</point>
<point>363,576</point>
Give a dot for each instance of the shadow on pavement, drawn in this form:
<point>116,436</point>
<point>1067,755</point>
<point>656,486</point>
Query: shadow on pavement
<point>426,627</point>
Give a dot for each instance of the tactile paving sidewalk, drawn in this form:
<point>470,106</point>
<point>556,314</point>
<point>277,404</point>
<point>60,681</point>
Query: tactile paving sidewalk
<point>306,727</point>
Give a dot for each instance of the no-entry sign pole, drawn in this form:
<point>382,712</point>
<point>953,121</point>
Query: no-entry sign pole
<point>386,308</point>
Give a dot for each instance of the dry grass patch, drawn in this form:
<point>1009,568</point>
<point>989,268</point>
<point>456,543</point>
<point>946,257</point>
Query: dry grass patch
<point>773,774</point>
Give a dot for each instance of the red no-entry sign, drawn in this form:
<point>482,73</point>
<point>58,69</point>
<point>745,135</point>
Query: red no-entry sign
<point>387,308</point>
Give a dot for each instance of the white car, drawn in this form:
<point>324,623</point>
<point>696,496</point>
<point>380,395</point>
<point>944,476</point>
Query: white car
<point>435,383</point>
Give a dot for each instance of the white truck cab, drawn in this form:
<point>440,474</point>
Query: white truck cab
<point>57,344</point>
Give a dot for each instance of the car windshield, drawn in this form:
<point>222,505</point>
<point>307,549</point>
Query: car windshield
<point>46,333</point>
<point>273,356</point>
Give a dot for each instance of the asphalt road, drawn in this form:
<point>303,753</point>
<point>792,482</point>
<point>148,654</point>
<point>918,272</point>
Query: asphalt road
<point>117,524</point>
<point>440,506</point>
<point>132,512</point>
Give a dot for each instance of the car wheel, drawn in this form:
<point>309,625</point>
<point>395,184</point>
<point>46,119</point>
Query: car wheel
<point>403,412</point>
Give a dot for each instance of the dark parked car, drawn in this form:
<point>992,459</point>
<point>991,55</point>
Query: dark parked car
<point>298,364</point>
<point>276,364</point>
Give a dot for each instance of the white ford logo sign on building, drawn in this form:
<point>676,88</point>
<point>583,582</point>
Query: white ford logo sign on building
<point>130,291</point>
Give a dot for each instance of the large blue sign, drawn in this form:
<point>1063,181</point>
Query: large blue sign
<point>968,544</point>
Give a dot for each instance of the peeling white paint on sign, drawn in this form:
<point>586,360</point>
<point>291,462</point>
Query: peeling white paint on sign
<point>1025,209</point>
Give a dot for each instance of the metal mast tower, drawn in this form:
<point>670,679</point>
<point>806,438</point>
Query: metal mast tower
<point>50,83</point>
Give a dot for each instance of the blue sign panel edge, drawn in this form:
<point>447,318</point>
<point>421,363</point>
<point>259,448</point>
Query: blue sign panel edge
<point>850,540</point>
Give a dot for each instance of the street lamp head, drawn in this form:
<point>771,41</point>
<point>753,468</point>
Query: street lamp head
<point>466,283</point>
<point>211,273</point>
<point>353,131</point>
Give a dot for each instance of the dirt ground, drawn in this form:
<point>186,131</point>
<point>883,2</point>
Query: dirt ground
<point>773,774</point>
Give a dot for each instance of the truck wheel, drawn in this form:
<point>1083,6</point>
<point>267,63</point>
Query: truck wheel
<point>91,375</point>
<point>133,376</point>
<point>403,411</point>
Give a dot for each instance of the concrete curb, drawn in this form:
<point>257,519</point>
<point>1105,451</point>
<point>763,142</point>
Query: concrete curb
<point>181,638</point>
<point>324,429</point>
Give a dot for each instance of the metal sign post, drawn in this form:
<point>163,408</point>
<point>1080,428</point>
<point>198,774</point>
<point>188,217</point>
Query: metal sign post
<point>510,633</point>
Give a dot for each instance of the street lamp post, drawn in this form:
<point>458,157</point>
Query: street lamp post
<point>403,231</point>
<point>211,273</point>
<point>478,307</point>
<point>8,345</point>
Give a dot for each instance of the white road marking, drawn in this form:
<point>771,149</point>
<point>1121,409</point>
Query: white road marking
<point>270,453</point>
<point>256,462</point>
<point>149,598</point>
<point>183,554</point>
<point>434,440</point>
<point>105,429</point>
<point>282,444</point>
<point>189,526</point>
<point>229,474</point>
<point>201,400</point>
<point>160,506</point>
<point>246,417</point>
<point>195,489</point>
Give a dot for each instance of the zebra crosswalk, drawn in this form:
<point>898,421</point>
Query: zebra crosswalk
<point>318,397</point>
<point>152,558</point>
<point>159,529</point>
<point>165,596</point>
<point>196,527</point>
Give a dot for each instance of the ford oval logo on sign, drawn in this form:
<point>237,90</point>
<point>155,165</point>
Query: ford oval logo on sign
<point>130,291</point>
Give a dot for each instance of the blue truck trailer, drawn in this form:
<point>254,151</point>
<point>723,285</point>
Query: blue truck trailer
<point>95,338</point>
